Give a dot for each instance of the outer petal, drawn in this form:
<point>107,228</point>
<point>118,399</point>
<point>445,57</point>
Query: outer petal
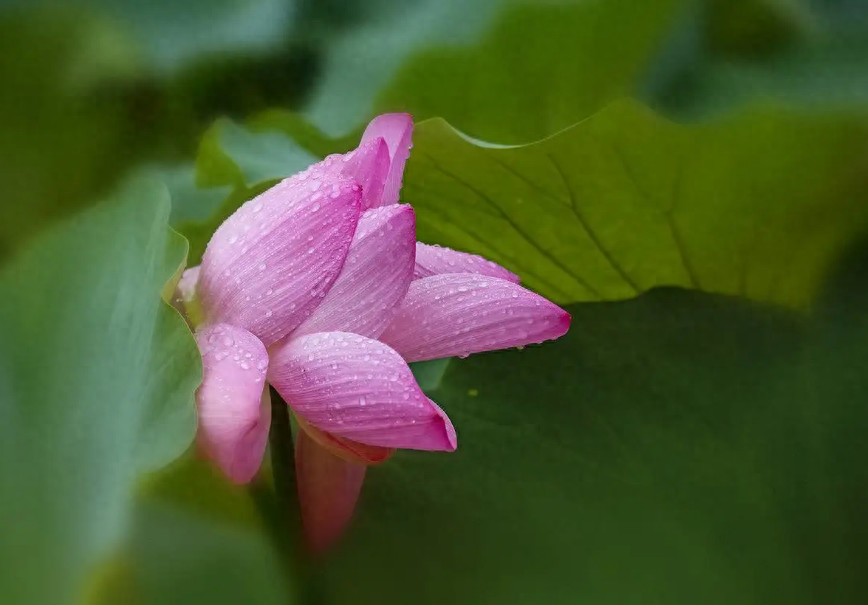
<point>375,277</point>
<point>397,130</point>
<point>369,167</point>
<point>434,260</point>
<point>233,405</point>
<point>328,488</point>
<point>360,389</point>
<point>460,314</point>
<point>269,265</point>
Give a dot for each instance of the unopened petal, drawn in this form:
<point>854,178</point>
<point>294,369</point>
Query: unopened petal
<point>270,264</point>
<point>459,314</point>
<point>328,489</point>
<point>374,279</point>
<point>360,389</point>
<point>232,402</point>
<point>435,260</point>
<point>397,130</point>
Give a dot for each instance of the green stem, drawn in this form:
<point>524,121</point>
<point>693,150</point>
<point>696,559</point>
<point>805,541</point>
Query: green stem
<point>283,468</point>
<point>281,511</point>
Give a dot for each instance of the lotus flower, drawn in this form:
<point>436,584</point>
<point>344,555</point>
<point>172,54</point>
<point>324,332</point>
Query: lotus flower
<point>318,287</point>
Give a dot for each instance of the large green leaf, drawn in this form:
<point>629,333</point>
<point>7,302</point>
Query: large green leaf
<point>676,448</point>
<point>97,377</point>
<point>756,204</point>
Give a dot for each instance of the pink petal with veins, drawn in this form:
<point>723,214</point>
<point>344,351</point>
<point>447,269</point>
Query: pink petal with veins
<point>375,277</point>
<point>360,389</point>
<point>397,130</point>
<point>434,260</point>
<point>232,402</point>
<point>271,263</point>
<point>461,313</point>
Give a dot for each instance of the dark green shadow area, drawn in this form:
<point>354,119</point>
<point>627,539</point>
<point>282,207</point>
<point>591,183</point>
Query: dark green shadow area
<point>675,448</point>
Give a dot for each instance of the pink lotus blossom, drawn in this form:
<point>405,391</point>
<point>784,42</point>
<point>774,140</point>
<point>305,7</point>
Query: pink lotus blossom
<point>318,287</point>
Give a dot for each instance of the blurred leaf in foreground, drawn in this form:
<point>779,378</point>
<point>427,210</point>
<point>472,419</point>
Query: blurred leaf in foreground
<point>97,377</point>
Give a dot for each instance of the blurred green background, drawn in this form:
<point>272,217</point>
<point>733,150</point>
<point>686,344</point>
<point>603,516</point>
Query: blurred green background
<point>689,177</point>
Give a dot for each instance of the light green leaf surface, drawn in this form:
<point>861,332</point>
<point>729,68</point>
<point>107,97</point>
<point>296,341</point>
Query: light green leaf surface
<point>757,204</point>
<point>97,377</point>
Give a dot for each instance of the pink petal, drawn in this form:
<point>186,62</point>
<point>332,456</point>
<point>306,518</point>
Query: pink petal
<point>269,265</point>
<point>369,167</point>
<point>360,389</point>
<point>233,404</point>
<point>328,488</point>
<point>375,277</point>
<point>461,313</point>
<point>397,130</point>
<point>434,260</point>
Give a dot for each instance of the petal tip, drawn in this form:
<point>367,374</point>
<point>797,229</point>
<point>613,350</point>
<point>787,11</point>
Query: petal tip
<point>445,440</point>
<point>563,322</point>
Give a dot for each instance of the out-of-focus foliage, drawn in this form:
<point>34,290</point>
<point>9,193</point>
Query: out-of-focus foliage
<point>781,50</point>
<point>555,63</point>
<point>96,380</point>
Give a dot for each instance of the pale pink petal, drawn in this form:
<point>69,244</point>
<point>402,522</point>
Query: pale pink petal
<point>233,404</point>
<point>375,277</point>
<point>369,167</point>
<point>270,264</point>
<point>461,313</point>
<point>397,130</point>
<point>328,488</point>
<point>434,260</point>
<point>360,389</point>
